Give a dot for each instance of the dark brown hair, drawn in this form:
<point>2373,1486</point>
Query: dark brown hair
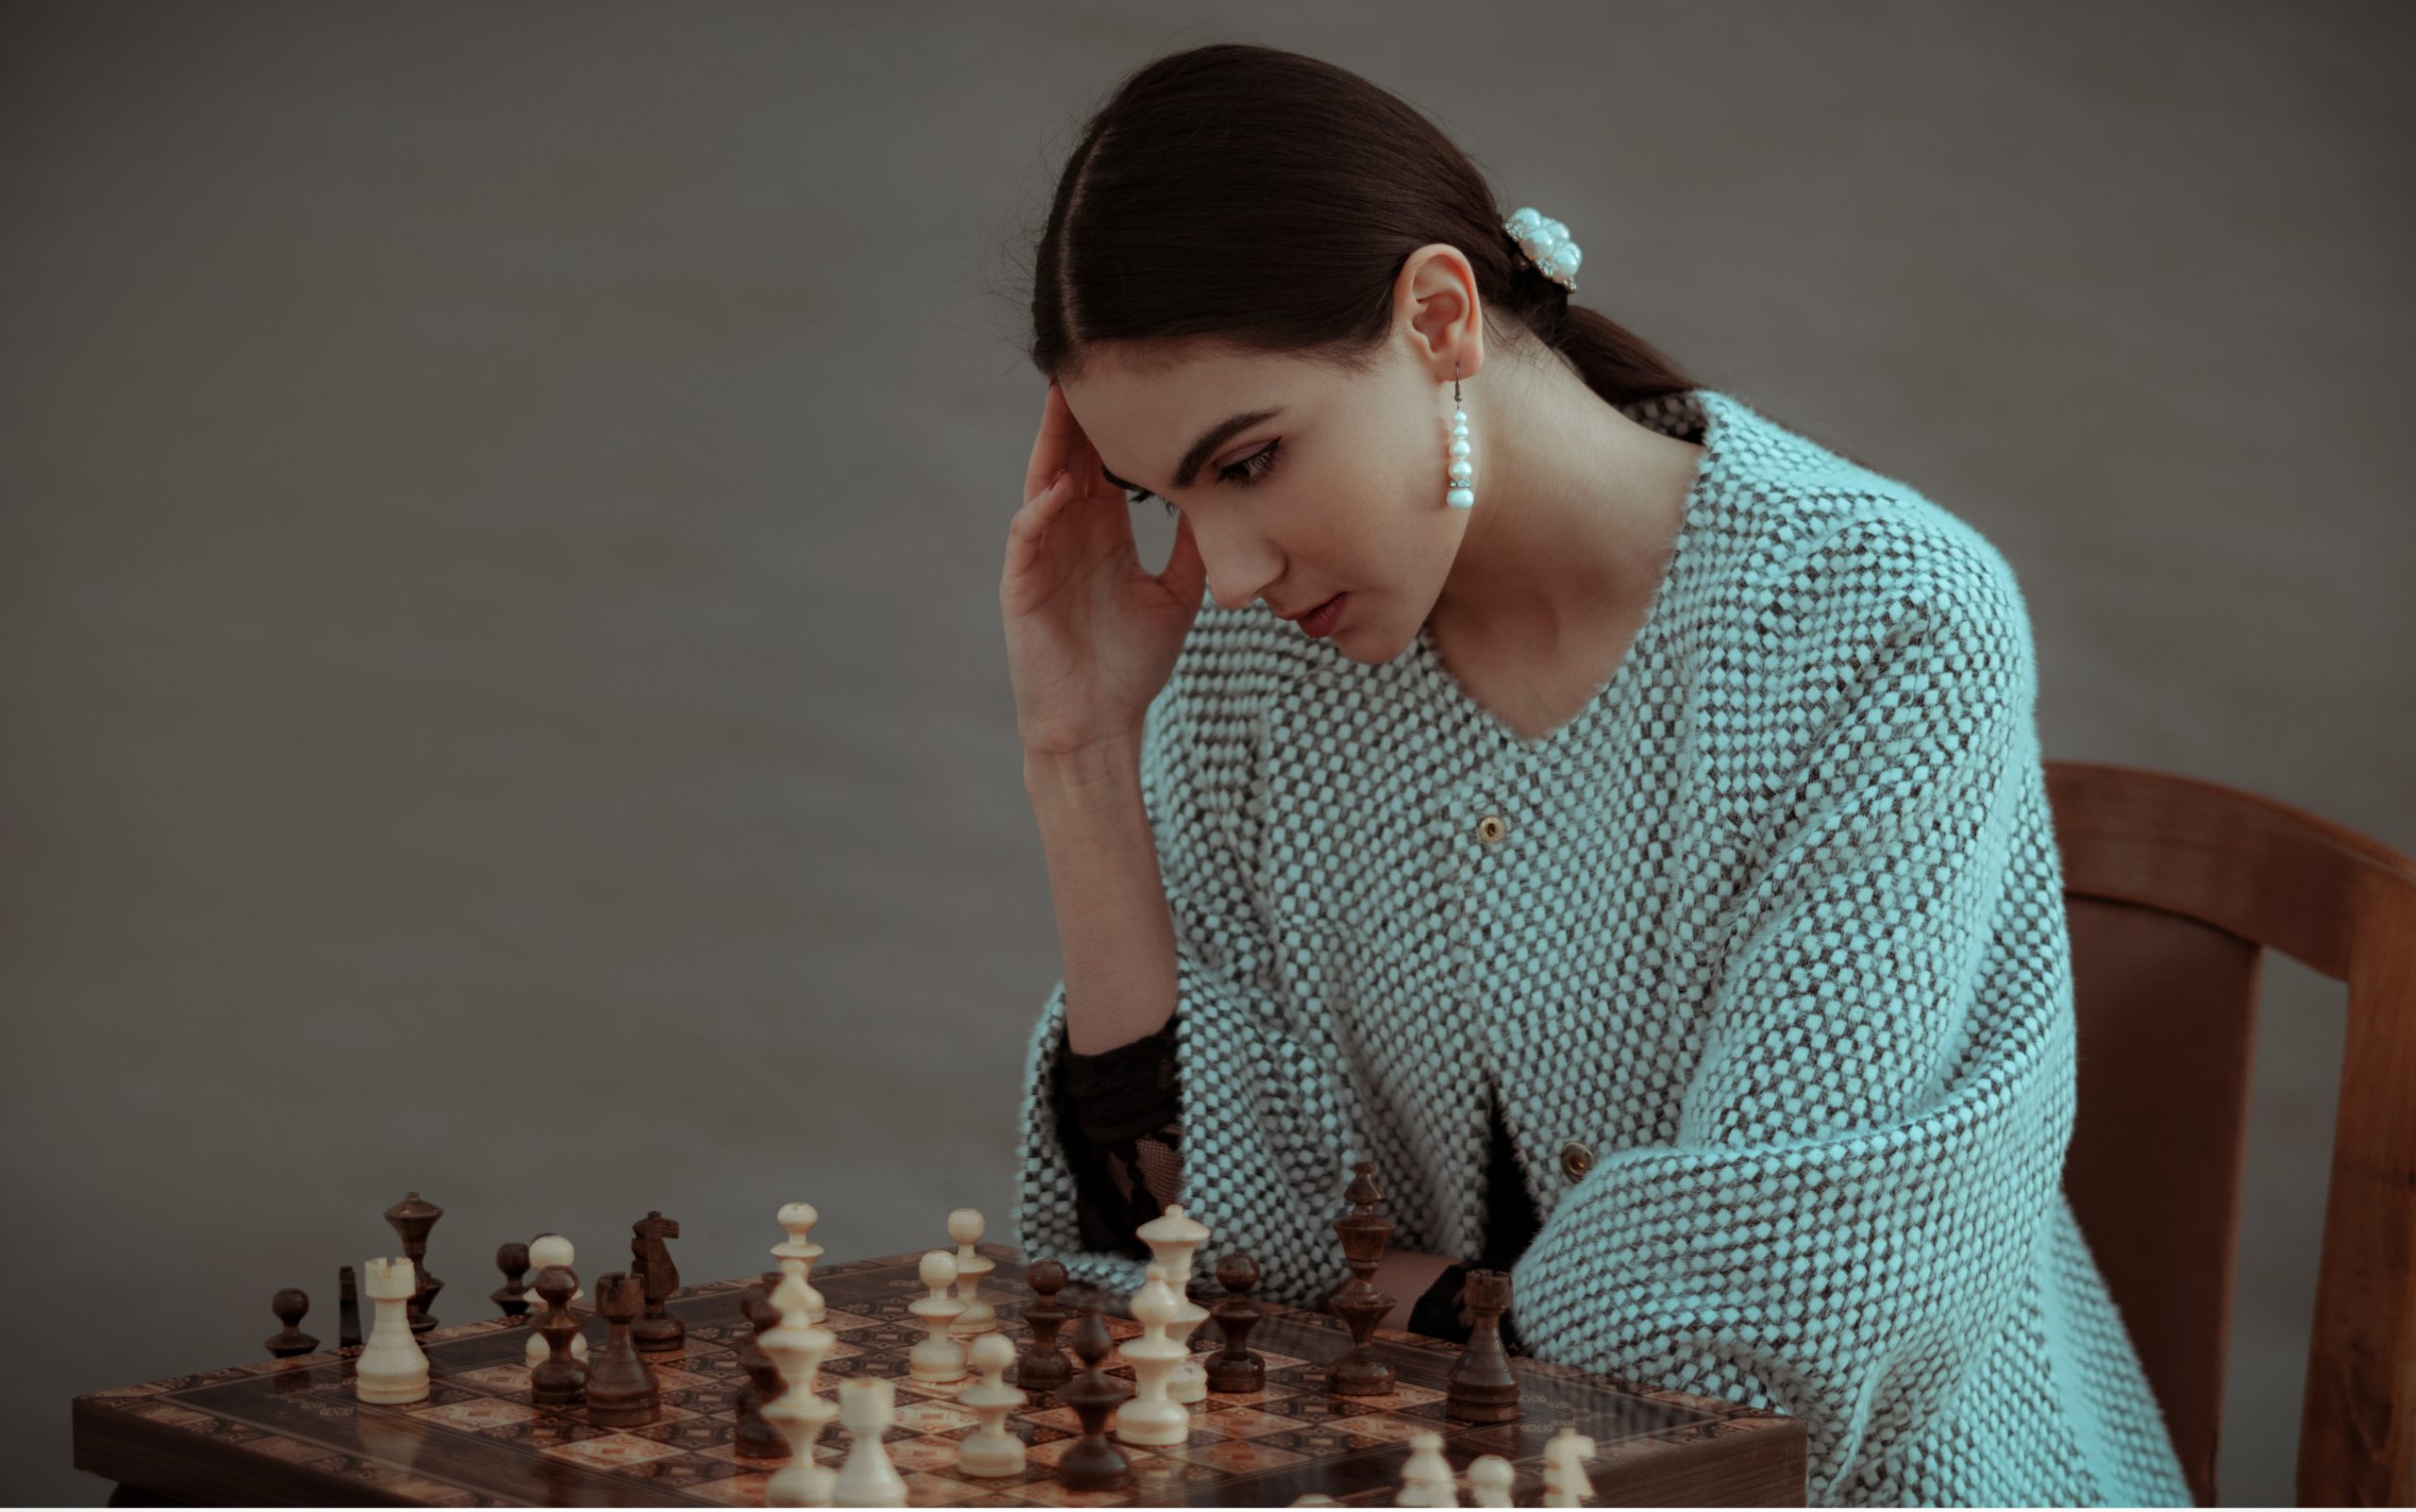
<point>1266,200</point>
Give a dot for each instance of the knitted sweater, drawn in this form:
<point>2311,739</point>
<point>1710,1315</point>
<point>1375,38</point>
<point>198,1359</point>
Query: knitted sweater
<point>1773,928</point>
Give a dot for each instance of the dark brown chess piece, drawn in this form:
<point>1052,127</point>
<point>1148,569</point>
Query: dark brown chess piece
<point>561,1377</point>
<point>1094,1464</point>
<point>412,1218</point>
<point>758,1439</point>
<point>1043,1365</point>
<point>1235,1368</point>
<point>1482,1389</point>
<point>658,1330</point>
<point>291,1306</point>
<point>347,1310</point>
<point>1360,1372</point>
<point>621,1389</point>
<point>513,1296</point>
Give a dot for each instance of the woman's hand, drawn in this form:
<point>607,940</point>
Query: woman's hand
<point>1404,1275</point>
<point>1091,636</point>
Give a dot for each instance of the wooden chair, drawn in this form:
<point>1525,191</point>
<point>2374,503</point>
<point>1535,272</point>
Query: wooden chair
<point>2174,887</point>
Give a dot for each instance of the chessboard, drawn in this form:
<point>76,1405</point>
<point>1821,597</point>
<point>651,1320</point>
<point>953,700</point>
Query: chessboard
<point>291,1431</point>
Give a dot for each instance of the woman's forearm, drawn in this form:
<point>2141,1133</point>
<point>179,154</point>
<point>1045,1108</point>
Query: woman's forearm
<point>1404,1275</point>
<point>1114,934</point>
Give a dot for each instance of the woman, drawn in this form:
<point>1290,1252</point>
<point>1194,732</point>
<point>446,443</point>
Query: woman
<point>1635,842</point>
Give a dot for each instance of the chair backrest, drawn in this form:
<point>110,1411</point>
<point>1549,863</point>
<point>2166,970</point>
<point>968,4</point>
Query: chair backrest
<point>2174,887</point>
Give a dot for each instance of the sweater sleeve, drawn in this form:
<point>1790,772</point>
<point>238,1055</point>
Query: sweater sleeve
<point>1267,1109</point>
<point>1876,1122</point>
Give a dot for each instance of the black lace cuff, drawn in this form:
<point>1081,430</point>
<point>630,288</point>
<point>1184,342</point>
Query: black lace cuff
<point>1121,1094</point>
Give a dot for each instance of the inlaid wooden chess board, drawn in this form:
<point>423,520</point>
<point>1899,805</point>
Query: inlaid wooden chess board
<point>291,1433</point>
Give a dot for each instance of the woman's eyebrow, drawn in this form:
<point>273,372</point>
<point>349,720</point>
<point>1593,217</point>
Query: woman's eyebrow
<point>1197,457</point>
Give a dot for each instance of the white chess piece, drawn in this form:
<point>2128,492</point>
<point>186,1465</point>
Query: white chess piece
<point>1426,1478</point>
<point>548,1250</point>
<point>1489,1478</point>
<point>1566,1483</point>
<point>1150,1417</point>
<point>940,1357</point>
<point>964,1226</point>
<point>991,1449</point>
<point>797,1347</point>
<point>867,1405</point>
<point>391,1367</point>
<point>1173,1238</point>
<point>797,1254</point>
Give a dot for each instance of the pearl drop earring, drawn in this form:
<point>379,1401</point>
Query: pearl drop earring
<point>1461,497</point>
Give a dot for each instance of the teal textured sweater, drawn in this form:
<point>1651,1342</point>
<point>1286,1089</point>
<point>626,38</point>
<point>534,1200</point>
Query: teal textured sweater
<point>1774,926</point>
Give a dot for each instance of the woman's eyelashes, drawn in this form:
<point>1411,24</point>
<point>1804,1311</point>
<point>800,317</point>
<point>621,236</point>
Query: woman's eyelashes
<point>1249,470</point>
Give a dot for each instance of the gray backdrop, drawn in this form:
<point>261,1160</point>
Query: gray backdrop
<point>501,509</point>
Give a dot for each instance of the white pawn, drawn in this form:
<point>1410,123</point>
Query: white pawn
<point>1489,1478</point>
<point>799,1347</point>
<point>1150,1417</point>
<point>939,1357</point>
<point>391,1368</point>
<point>1565,1480</point>
<point>1426,1478</point>
<point>797,1254</point>
<point>991,1449</point>
<point>867,1405</point>
<point>548,1250</point>
<point>1173,1238</point>
<point>964,1226</point>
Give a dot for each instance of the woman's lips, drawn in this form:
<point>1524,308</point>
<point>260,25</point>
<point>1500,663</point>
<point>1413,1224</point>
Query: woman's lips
<point>1319,622</point>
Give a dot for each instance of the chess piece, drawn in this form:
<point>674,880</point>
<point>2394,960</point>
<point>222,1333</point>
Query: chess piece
<point>1565,1479</point>
<point>1316,1498</point>
<point>1153,1418</point>
<point>513,1296</point>
<point>1043,1367</point>
<point>1482,1389</point>
<point>394,1369</point>
<point>658,1330</point>
<point>1359,1371</point>
<point>964,1226</point>
<point>867,1405</point>
<point>1489,1478</point>
<point>552,1250</point>
<point>1235,1368</point>
<point>991,1449</point>
<point>1173,1238</point>
<point>1426,1478</point>
<point>798,1348</point>
<point>621,1389</point>
<point>291,1306</point>
<point>348,1311</point>
<point>797,1254</point>
<point>1094,1464</point>
<point>412,1218</point>
<point>561,1378</point>
<point>940,1357</point>
<point>756,1438</point>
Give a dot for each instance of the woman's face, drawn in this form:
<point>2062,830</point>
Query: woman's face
<point>1332,483</point>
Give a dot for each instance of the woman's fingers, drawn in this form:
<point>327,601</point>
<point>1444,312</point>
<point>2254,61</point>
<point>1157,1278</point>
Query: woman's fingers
<point>1049,445</point>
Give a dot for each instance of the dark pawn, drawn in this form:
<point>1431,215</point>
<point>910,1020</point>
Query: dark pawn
<point>1235,1368</point>
<point>758,1439</point>
<point>412,1218</point>
<point>658,1330</point>
<point>1094,1464</point>
<point>291,1306</point>
<point>559,1379</point>
<point>513,1296</point>
<point>348,1311</point>
<point>1043,1365</point>
<point>1360,1371</point>
<point>621,1389</point>
<point>1482,1389</point>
